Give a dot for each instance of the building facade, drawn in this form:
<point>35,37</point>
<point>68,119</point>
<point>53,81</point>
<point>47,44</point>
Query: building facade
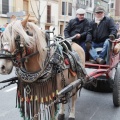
<point>89,9</point>
<point>54,13</point>
<point>117,10</point>
<point>114,10</point>
<point>65,14</point>
<point>5,7</point>
<point>43,12</point>
<point>49,14</point>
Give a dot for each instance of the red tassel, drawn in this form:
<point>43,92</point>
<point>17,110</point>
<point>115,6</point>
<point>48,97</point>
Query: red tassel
<point>72,73</point>
<point>66,61</point>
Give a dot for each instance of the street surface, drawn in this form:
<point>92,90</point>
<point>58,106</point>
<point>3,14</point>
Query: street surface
<point>89,106</point>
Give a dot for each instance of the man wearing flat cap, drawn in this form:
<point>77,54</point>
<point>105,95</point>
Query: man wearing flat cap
<point>79,27</point>
<point>98,35</point>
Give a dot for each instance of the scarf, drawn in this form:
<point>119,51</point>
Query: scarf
<point>97,20</point>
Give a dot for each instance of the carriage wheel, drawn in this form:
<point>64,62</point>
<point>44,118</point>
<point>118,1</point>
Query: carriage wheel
<point>116,87</point>
<point>102,85</point>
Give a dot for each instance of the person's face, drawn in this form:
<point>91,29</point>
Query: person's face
<point>99,14</point>
<point>80,16</point>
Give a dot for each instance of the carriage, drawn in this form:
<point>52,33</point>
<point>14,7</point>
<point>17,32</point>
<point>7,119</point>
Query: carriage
<point>106,78</point>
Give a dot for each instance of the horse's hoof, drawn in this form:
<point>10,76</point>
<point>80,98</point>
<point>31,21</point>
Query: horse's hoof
<point>61,116</point>
<point>71,118</point>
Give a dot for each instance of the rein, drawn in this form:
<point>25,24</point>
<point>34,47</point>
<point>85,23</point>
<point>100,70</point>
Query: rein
<point>10,81</point>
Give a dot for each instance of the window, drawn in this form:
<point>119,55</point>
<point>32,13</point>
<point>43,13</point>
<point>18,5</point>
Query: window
<point>64,8</point>
<point>87,3</point>
<point>70,9</point>
<point>112,5</point>
<point>5,6</point>
<point>90,3</point>
<point>83,2</point>
<point>48,14</point>
<point>61,29</point>
<point>89,16</point>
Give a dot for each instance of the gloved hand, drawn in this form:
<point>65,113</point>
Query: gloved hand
<point>88,45</point>
<point>112,37</point>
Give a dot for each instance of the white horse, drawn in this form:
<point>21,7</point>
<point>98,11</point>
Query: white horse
<point>31,95</point>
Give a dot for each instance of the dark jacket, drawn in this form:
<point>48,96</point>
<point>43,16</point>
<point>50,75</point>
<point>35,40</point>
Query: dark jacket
<point>74,27</point>
<point>101,32</point>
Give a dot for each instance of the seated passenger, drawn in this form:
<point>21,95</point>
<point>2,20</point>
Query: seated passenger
<point>98,35</point>
<point>79,27</point>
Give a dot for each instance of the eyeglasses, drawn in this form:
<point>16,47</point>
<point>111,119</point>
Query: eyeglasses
<point>99,12</point>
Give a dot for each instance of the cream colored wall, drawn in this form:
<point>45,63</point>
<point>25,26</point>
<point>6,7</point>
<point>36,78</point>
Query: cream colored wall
<point>54,14</point>
<point>63,18</point>
<point>33,3</point>
<point>11,8</point>
<point>43,13</point>
<point>3,21</point>
<point>18,5</point>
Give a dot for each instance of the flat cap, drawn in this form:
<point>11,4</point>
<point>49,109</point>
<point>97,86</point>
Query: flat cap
<point>80,11</point>
<point>99,9</point>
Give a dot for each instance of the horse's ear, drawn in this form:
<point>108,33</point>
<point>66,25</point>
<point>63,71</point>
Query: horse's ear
<point>13,18</point>
<point>24,22</point>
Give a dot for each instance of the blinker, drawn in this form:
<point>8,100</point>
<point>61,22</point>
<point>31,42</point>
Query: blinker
<point>5,54</point>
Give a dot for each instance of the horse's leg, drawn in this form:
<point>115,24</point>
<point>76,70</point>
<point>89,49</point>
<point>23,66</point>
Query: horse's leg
<point>72,111</point>
<point>61,114</point>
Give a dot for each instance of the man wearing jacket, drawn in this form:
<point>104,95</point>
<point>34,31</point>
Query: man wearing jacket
<point>78,27</point>
<point>98,35</point>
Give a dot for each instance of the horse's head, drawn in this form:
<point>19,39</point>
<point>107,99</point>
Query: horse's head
<point>7,46</point>
<point>6,64</point>
<point>35,40</point>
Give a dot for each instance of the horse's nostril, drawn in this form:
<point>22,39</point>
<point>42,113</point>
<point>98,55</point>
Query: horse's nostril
<point>3,67</point>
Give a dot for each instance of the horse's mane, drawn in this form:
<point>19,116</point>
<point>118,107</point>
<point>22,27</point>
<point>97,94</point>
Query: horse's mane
<point>35,42</point>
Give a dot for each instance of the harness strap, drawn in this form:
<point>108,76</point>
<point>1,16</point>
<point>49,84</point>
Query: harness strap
<point>28,56</point>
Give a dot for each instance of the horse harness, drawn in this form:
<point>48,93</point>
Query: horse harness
<point>63,53</point>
